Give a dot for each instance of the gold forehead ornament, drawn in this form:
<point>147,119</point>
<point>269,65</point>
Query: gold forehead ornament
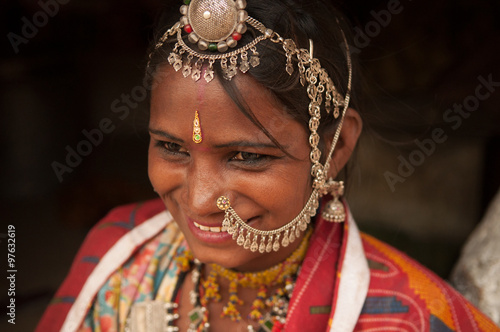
<point>197,137</point>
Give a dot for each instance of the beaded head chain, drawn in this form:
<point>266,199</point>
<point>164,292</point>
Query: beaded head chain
<point>210,31</point>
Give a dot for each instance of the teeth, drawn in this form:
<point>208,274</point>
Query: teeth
<point>208,229</point>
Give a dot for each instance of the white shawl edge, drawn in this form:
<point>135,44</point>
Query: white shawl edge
<point>354,282</point>
<point>112,260</point>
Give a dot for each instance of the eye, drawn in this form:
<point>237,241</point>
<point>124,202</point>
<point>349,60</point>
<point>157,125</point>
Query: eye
<point>174,147</point>
<point>248,156</point>
<point>171,147</point>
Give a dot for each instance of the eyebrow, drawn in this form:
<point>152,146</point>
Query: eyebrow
<point>166,135</point>
<point>245,144</point>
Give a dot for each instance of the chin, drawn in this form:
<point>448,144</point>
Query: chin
<point>231,257</point>
<point>227,261</point>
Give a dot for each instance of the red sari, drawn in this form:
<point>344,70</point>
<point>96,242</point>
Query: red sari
<point>348,281</point>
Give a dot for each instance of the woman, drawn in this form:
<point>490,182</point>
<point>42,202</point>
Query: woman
<point>249,124</point>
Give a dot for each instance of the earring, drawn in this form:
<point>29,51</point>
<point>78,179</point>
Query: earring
<point>334,210</point>
<point>197,138</point>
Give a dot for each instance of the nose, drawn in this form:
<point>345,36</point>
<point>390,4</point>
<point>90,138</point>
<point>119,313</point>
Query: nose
<point>205,183</point>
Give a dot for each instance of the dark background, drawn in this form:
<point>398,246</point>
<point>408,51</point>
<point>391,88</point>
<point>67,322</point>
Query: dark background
<point>65,78</point>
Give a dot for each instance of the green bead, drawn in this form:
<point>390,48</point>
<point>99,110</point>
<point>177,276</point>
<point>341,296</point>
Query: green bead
<point>212,47</point>
<point>194,317</point>
<point>197,137</point>
<point>269,324</point>
<point>186,2</point>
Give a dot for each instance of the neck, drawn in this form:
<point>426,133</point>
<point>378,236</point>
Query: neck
<point>256,297</point>
<point>270,276</point>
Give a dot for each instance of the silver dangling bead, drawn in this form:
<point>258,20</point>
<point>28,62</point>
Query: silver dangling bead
<point>334,210</point>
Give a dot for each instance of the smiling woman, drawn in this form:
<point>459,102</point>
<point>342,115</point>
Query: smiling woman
<point>250,126</point>
<point>268,186</point>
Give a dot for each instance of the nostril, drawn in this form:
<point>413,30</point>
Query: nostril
<point>251,219</point>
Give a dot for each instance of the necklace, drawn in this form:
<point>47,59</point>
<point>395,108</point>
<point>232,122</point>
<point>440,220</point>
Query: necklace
<point>207,289</point>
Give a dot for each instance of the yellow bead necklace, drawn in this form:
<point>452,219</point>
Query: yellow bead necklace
<point>207,289</point>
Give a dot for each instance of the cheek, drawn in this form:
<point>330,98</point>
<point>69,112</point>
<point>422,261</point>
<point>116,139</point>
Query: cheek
<point>162,177</point>
<point>286,189</point>
<point>153,170</point>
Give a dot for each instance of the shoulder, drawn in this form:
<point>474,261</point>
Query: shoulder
<point>131,215</point>
<point>112,240</point>
<point>405,293</point>
<point>120,221</point>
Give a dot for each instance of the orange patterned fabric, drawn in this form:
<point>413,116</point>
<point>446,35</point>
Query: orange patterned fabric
<point>405,296</point>
<point>419,282</point>
<point>484,324</point>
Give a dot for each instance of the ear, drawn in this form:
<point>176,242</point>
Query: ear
<point>351,129</point>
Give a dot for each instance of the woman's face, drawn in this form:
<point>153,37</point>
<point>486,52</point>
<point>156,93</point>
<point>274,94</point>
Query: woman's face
<point>266,187</point>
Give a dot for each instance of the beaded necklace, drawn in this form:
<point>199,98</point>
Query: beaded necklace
<point>206,290</point>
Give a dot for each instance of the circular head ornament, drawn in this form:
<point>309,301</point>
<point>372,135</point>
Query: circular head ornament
<point>215,25</point>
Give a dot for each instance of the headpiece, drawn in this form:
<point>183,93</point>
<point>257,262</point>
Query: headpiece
<point>213,29</point>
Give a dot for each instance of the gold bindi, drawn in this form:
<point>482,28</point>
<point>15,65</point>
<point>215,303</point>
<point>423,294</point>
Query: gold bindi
<point>197,137</point>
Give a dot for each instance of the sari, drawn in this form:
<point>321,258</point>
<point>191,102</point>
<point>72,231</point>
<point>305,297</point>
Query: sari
<point>349,281</point>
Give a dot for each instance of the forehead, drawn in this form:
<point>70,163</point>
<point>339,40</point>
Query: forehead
<point>175,99</point>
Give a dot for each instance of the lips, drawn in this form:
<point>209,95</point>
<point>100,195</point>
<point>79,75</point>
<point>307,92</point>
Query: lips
<point>208,234</point>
